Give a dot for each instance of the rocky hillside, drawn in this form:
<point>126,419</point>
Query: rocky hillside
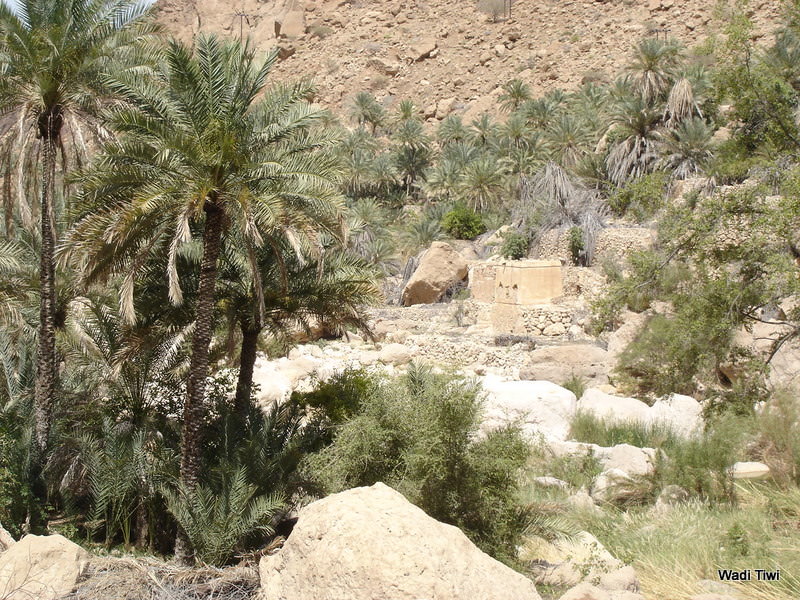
<point>447,50</point>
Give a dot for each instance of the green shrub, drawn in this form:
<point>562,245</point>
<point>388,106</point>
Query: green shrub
<point>649,277</point>
<point>577,247</point>
<point>701,464</point>
<point>417,434</point>
<point>778,436</point>
<point>642,198</point>
<point>16,497</point>
<point>463,223</point>
<point>733,162</point>
<point>515,246</point>
<point>340,397</point>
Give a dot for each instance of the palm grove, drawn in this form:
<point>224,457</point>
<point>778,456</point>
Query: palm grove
<point>167,191</point>
<point>169,213</point>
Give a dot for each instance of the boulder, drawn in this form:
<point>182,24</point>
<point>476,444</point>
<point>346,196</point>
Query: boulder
<point>385,67</point>
<point>441,267</point>
<point>422,49</point>
<point>627,458</point>
<point>370,542</point>
<point>610,485</point>
<point>586,591</point>
<point>41,567</point>
<point>551,482</point>
<point>395,354</point>
<point>291,25</point>
<point>624,579</point>
<point>273,385</point>
<point>749,470</point>
<point>581,500</point>
<point>632,324</point>
<point>681,414</point>
<point>559,363</point>
<point>444,107</point>
<point>670,496</point>
<point>614,408</point>
<point>541,407</point>
<point>566,563</point>
<point>6,541</point>
<point>632,460</point>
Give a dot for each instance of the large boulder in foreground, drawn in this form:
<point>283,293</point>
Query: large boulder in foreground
<point>41,567</point>
<point>370,542</point>
<point>441,267</point>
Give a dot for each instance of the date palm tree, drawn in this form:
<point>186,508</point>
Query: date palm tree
<point>54,57</point>
<point>206,150</point>
<point>330,289</point>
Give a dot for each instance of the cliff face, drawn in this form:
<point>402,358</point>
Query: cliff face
<point>448,52</point>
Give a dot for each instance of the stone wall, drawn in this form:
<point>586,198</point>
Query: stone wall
<point>542,320</point>
<point>613,243</point>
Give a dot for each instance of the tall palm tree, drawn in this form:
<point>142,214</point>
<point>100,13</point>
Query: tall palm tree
<point>687,149</point>
<point>412,153</point>
<point>54,57</point>
<point>482,183</point>
<point>569,139</point>
<point>636,131</point>
<point>652,68</point>
<point>203,152</point>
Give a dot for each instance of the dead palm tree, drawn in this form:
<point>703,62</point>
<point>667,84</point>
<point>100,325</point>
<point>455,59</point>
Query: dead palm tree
<point>204,150</point>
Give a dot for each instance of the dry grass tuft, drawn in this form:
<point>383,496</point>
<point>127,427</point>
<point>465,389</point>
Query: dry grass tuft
<point>150,579</point>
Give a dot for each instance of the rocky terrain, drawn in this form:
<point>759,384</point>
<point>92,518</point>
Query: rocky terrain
<point>448,55</point>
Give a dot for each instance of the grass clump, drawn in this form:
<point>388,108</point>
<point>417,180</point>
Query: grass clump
<point>673,550</point>
<point>606,432</point>
<point>575,384</point>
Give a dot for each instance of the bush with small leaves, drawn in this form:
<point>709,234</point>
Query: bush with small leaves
<point>417,433</point>
<point>463,223</point>
<point>515,246</point>
<point>641,198</point>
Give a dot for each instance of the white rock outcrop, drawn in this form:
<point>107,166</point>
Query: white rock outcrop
<point>613,408</point>
<point>681,414</point>
<point>610,485</point>
<point>541,407</point>
<point>370,542</point>
<point>41,567</point>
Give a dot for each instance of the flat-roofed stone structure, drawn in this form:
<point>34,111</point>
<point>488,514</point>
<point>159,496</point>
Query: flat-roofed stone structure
<point>516,297</point>
<point>520,282</point>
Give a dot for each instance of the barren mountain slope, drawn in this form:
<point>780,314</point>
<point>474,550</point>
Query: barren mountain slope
<point>446,50</point>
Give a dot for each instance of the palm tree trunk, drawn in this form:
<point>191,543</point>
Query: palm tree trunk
<point>191,434</point>
<point>247,360</point>
<point>46,368</point>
